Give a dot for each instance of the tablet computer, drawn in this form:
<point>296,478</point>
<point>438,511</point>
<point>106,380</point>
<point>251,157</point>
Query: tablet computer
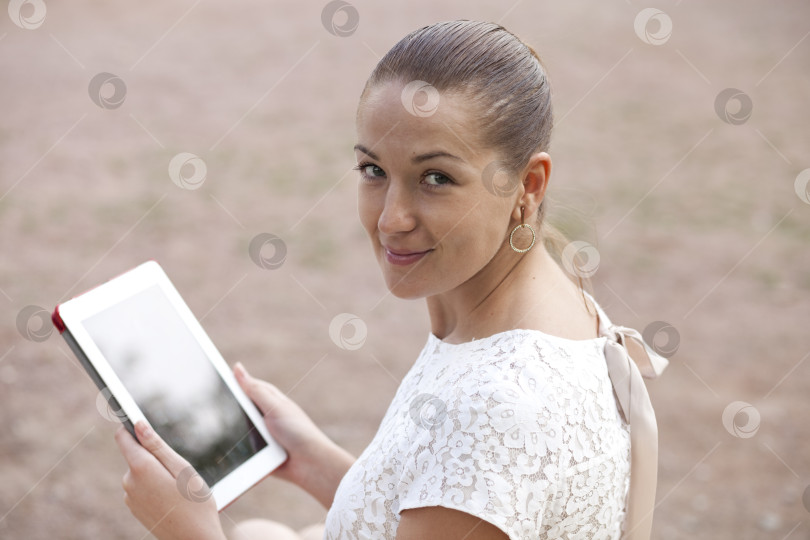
<point>152,361</point>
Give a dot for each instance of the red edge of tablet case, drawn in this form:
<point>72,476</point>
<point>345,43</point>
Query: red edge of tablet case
<point>56,319</point>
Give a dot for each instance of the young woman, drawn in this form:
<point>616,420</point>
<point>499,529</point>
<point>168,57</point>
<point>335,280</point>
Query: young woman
<point>514,422</point>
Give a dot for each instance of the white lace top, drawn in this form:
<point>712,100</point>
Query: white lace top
<point>520,429</point>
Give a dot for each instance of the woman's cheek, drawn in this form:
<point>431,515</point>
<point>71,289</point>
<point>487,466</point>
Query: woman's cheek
<point>368,210</point>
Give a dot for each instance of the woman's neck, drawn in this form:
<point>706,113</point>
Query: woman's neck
<point>506,294</point>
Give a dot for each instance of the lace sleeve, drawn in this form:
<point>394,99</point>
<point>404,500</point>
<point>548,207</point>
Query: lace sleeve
<point>485,449</point>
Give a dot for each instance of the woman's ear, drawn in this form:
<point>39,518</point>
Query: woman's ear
<point>535,179</point>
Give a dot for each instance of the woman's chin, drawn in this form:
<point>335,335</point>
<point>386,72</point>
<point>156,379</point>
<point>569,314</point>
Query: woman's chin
<point>405,294</point>
<point>406,291</point>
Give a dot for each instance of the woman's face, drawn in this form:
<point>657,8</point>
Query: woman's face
<point>423,195</point>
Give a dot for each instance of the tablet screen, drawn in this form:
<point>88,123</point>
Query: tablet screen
<point>181,394</point>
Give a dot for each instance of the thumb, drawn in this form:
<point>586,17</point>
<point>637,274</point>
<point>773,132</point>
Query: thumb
<point>266,396</point>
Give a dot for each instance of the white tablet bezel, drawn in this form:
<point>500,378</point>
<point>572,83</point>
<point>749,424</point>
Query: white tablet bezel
<point>72,314</point>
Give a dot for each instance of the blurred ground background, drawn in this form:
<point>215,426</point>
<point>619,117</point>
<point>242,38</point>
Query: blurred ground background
<point>696,215</point>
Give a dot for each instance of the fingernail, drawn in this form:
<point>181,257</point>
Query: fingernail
<point>144,430</point>
<point>239,369</point>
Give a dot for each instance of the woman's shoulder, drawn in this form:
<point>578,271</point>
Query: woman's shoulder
<point>520,389</point>
<point>521,365</point>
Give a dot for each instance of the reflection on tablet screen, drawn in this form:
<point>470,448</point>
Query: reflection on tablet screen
<point>181,394</point>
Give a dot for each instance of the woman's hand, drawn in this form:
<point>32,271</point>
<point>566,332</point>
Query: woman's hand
<point>315,463</point>
<point>164,492</point>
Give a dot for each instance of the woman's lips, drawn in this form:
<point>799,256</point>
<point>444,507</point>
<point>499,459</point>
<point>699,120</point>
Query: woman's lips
<point>403,258</point>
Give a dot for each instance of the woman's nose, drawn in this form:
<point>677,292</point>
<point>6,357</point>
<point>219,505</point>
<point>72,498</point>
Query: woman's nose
<point>397,215</point>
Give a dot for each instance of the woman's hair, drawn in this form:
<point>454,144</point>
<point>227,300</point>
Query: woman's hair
<point>502,77</point>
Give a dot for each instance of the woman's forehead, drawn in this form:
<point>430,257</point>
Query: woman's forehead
<point>385,118</point>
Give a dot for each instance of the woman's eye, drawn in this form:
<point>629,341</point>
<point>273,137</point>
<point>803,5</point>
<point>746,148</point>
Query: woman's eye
<point>371,171</point>
<point>436,179</point>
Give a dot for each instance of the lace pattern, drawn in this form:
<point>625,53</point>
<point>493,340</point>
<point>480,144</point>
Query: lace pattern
<point>520,429</point>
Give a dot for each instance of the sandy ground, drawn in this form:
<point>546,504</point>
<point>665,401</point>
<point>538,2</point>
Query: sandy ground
<point>697,220</point>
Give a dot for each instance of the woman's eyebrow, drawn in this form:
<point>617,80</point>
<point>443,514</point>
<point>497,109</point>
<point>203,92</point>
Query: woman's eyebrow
<point>366,151</point>
<point>430,155</point>
<point>416,159</point>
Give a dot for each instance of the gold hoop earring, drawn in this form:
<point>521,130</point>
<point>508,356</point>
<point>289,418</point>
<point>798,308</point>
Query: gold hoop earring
<point>521,226</point>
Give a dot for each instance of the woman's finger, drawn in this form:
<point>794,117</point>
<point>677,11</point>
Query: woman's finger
<point>266,396</point>
<point>134,454</point>
<point>151,441</point>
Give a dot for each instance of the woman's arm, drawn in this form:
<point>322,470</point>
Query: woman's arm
<point>315,463</point>
<point>445,524</point>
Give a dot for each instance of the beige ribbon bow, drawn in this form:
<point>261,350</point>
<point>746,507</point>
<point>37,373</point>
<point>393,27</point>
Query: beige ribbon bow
<point>628,359</point>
